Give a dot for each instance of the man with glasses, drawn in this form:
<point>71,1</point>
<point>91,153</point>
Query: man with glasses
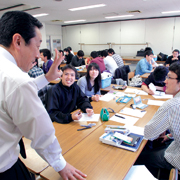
<point>167,117</point>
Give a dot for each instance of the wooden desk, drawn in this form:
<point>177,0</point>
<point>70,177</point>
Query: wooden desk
<point>145,76</point>
<point>33,161</point>
<point>67,134</point>
<point>101,161</point>
<point>55,81</point>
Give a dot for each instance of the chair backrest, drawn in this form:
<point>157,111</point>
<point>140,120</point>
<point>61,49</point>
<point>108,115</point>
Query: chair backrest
<point>131,74</point>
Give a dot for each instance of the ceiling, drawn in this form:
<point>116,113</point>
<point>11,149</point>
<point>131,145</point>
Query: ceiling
<point>58,10</point>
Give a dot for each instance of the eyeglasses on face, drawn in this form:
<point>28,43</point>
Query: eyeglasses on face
<point>167,77</point>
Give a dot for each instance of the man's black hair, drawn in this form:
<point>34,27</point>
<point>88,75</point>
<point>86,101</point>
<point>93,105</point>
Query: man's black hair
<point>94,54</point>
<point>175,68</point>
<point>20,22</point>
<point>46,52</point>
<point>160,73</point>
<point>67,50</point>
<point>68,66</point>
<point>80,53</point>
<point>148,53</point>
<point>70,49</point>
<point>111,51</point>
<point>104,53</point>
<point>176,50</point>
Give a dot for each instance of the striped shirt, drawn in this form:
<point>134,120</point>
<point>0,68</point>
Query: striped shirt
<point>118,60</point>
<point>167,117</point>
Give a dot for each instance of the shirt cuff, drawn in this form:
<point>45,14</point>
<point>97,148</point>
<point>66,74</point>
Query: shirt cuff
<point>41,81</point>
<point>61,163</point>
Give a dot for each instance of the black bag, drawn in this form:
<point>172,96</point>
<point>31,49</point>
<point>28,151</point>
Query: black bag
<point>140,53</point>
<point>162,57</point>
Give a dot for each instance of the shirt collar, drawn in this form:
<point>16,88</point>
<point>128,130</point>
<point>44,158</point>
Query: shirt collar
<point>7,55</point>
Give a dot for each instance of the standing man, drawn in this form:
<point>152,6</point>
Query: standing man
<point>45,55</point>
<point>167,117</point>
<point>21,111</point>
<point>116,57</point>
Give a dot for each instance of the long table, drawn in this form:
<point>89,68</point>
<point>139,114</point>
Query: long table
<point>101,161</point>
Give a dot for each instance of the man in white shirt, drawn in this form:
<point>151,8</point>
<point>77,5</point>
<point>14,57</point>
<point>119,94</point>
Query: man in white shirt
<point>21,111</point>
<point>109,62</point>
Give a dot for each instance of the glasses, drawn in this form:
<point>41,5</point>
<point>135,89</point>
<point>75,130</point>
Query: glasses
<point>167,77</point>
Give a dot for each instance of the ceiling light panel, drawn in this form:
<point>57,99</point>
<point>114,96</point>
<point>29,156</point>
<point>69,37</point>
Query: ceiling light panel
<point>87,7</point>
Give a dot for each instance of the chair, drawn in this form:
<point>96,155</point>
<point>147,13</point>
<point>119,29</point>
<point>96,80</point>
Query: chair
<point>131,74</point>
<point>174,173</point>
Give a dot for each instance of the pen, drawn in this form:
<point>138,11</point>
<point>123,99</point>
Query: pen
<point>83,128</point>
<point>117,128</point>
<point>120,116</point>
<point>143,111</point>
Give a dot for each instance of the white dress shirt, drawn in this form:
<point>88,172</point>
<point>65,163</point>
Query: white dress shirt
<point>23,114</point>
<point>110,64</point>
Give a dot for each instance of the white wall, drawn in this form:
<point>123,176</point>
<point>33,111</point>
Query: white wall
<point>53,32</point>
<point>160,33</point>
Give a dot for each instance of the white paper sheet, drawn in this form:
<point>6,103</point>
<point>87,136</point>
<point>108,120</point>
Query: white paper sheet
<point>155,102</point>
<point>93,118</point>
<point>135,129</point>
<point>107,97</point>
<point>131,90</point>
<point>139,172</point>
<point>165,96</point>
<point>127,121</point>
<point>133,112</point>
<point>141,92</point>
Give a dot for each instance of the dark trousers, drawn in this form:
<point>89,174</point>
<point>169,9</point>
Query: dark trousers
<point>17,172</point>
<point>154,160</point>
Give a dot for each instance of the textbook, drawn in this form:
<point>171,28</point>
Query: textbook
<point>110,138</point>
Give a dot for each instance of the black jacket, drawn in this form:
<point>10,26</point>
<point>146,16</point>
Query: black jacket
<point>61,100</point>
<point>77,62</point>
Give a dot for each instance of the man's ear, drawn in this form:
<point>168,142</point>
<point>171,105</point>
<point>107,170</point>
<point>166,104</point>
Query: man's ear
<point>17,40</point>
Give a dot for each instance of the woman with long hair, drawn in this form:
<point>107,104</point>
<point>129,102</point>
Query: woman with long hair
<point>91,83</point>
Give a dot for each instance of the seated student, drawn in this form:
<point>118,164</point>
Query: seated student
<point>78,59</point>
<point>35,71</point>
<point>70,49</point>
<point>154,57</point>
<point>68,56</point>
<point>145,64</point>
<point>167,117</point>
<point>45,56</point>
<point>97,60</point>
<point>91,83</point>
<point>174,58</point>
<point>116,57</point>
<point>157,78</point>
<point>109,62</point>
<point>65,97</point>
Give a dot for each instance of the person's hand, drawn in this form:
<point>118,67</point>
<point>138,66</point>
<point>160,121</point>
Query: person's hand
<point>174,58</point>
<point>71,173</point>
<point>150,92</point>
<point>76,115</point>
<point>89,112</point>
<point>53,72</point>
<point>164,137</point>
<point>95,97</point>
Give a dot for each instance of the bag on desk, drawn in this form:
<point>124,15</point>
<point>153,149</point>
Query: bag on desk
<point>104,114</point>
<point>140,53</point>
<point>136,81</point>
<point>162,57</point>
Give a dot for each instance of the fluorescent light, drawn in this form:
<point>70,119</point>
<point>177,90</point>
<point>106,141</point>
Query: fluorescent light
<point>39,15</point>
<point>165,12</point>
<point>111,17</point>
<point>87,7</point>
<point>81,20</point>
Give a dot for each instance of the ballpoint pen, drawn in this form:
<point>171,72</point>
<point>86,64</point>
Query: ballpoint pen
<point>83,128</point>
<point>120,116</point>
